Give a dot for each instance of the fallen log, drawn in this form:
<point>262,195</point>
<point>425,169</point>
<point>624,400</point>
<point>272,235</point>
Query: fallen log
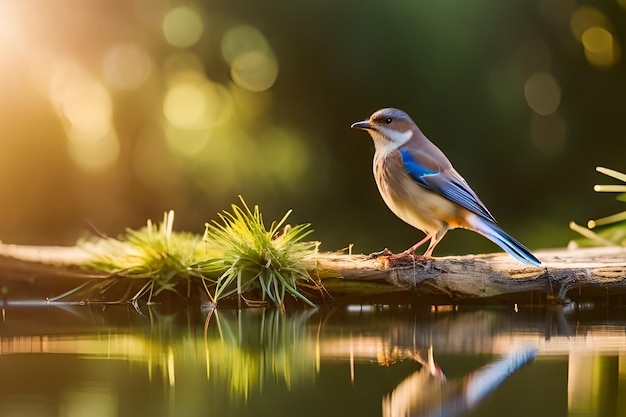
<point>563,273</point>
<point>490,275</point>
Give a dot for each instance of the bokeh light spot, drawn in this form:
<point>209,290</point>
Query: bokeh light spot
<point>241,39</point>
<point>585,17</point>
<point>193,102</point>
<point>542,93</point>
<point>184,105</point>
<point>182,27</point>
<point>81,100</point>
<point>85,108</point>
<point>548,133</point>
<point>255,71</point>
<point>253,64</point>
<point>126,66</point>
<point>601,48</point>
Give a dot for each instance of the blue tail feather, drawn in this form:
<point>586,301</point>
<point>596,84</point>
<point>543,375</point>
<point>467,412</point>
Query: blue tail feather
<point>507,242</point>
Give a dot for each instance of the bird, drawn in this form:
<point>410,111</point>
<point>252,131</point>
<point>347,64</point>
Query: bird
<point>420,186</point>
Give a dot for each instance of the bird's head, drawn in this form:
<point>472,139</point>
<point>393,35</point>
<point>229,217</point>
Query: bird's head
<point>389,128</point>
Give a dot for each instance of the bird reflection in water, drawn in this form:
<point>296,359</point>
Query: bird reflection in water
<point>427,393</point>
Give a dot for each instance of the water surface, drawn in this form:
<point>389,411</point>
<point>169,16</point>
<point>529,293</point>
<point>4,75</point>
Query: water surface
<point>365,360</point>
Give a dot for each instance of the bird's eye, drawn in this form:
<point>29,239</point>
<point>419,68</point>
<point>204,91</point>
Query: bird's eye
<point>388,120</point>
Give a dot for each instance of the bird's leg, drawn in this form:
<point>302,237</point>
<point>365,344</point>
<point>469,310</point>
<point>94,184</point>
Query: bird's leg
<point>435,240</point>
<point>412,249</point>
<point>410,252</point>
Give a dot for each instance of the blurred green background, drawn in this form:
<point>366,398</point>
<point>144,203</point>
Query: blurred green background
<point>113,111</point>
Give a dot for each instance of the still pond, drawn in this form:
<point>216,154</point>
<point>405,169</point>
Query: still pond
<point>353,360</point>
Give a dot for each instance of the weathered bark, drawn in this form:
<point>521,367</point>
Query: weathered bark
<point>457,277</point>
<point>480,276</point>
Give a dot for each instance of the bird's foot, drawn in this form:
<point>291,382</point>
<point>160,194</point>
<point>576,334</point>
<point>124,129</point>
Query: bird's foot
<point>384,252</point>
<point>408,255</point>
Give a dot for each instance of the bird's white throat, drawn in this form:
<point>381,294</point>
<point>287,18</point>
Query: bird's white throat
<point>395,139</point>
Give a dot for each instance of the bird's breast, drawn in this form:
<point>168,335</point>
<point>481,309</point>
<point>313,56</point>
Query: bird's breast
<point>411,202</point>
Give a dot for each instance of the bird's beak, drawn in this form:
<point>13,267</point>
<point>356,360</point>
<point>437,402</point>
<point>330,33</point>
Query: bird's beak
<point>365,124</point>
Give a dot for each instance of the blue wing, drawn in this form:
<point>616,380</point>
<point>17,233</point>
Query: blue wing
<point>447,183</point>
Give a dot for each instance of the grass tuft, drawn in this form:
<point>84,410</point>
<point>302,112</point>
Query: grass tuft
<point>252,257</point>
<point>153,254</point>
<point>237,255</point>
<point>613,227</point>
